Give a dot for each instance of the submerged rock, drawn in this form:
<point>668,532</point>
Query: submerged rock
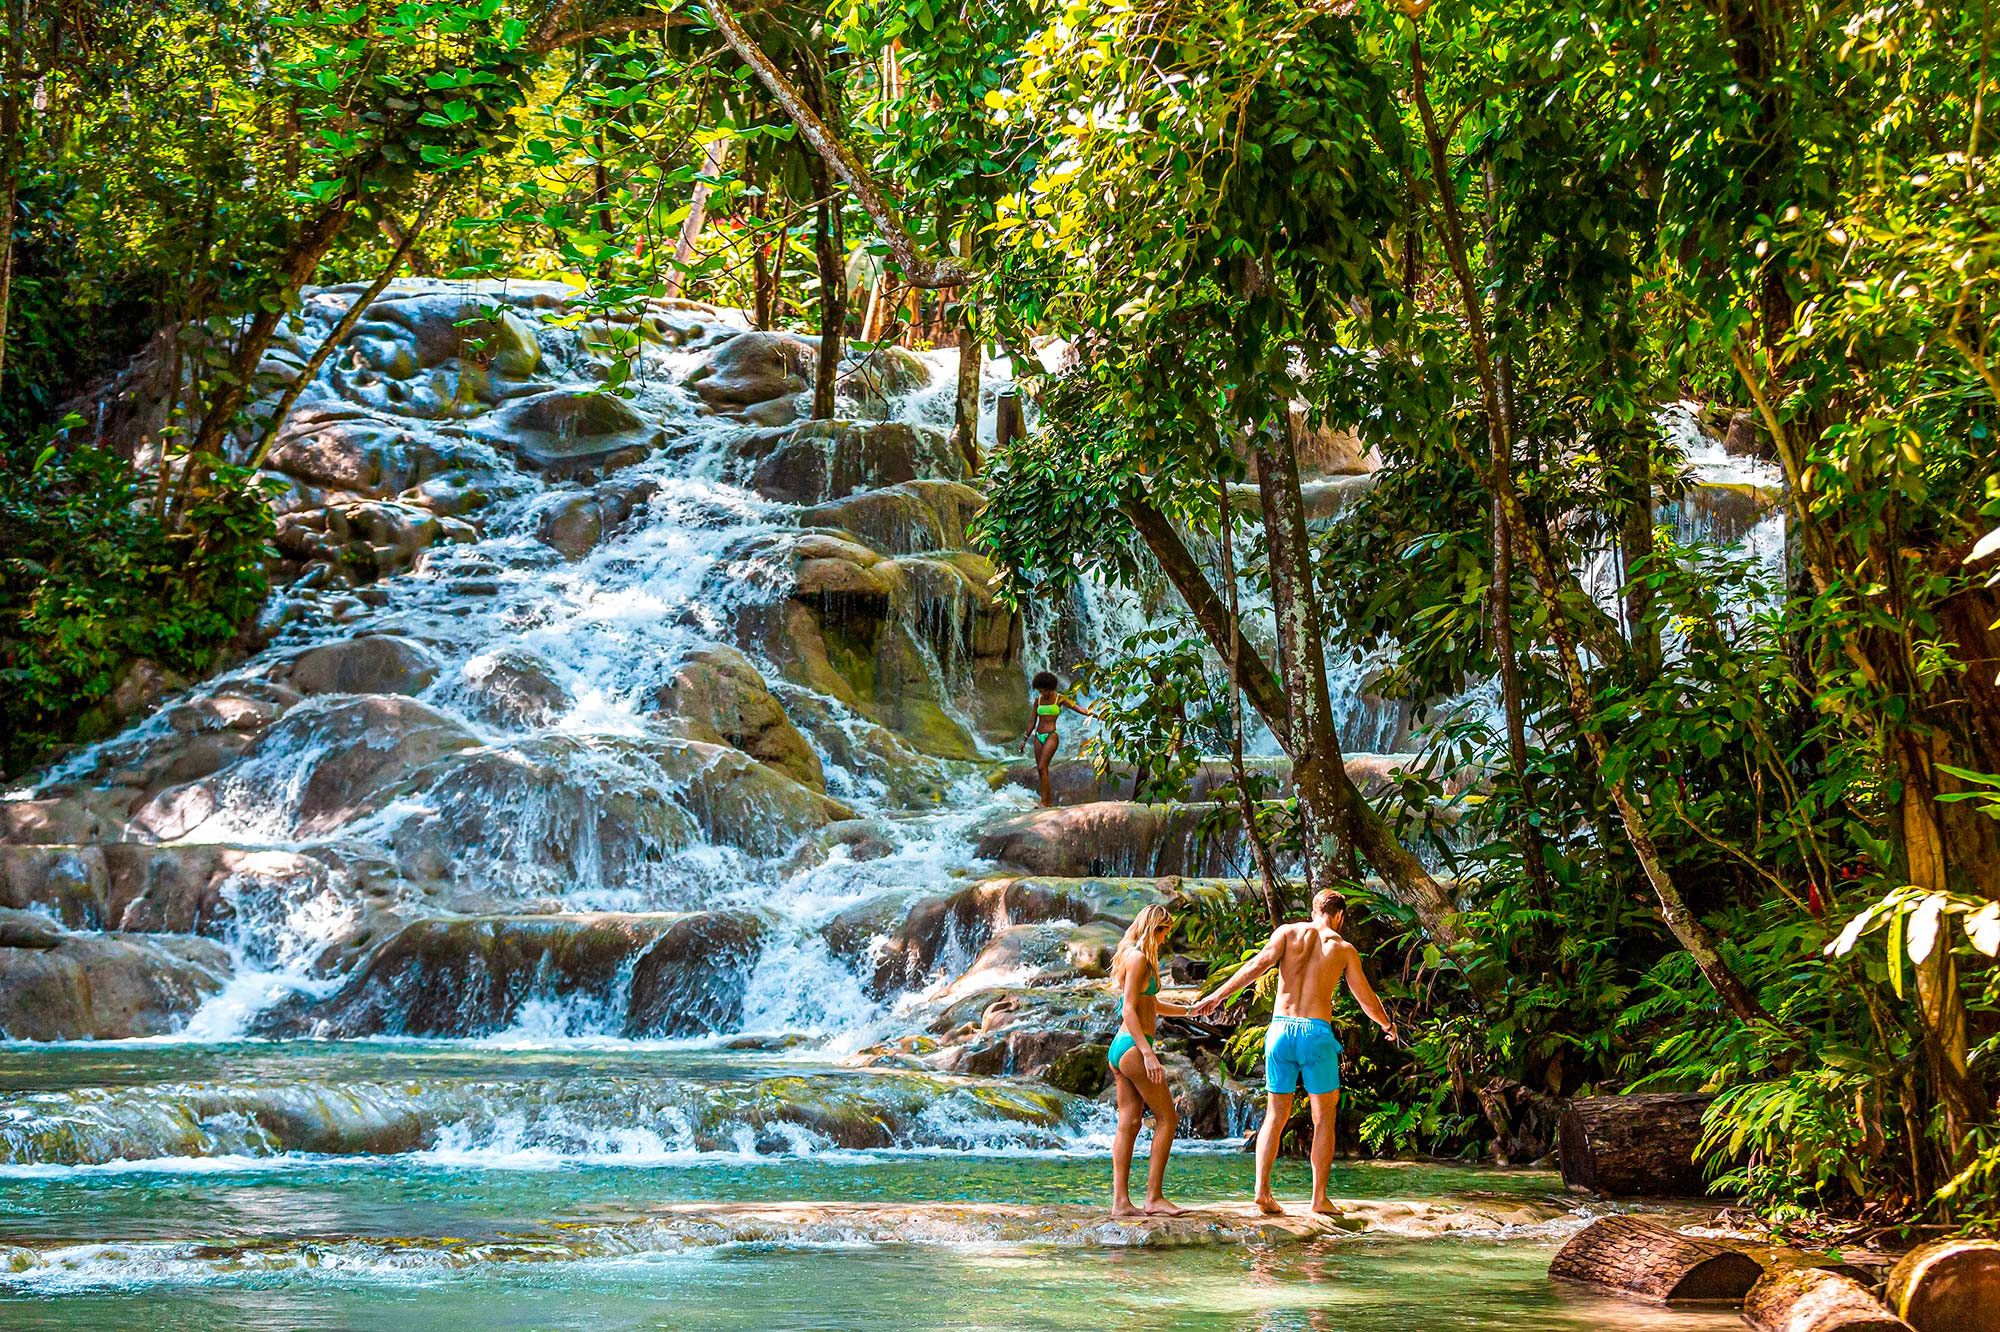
<point>106,987</point>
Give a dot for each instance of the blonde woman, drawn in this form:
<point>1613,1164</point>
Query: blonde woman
<point>1135,1065</point>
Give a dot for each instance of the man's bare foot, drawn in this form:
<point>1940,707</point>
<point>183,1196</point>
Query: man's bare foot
<point>1161,1207</point>
<point>1325,1208</point>
<point>1268,1205</point>
<point>1124,1211</point>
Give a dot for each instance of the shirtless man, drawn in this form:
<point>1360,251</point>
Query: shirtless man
<point>1312,961</point>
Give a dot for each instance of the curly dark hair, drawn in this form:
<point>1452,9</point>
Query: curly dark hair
<point>1045,681</point>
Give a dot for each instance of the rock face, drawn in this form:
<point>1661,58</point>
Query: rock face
<point>722,699</point>
<point>375,664</point>
<point>1116,838</point>
<point>828,460</point>
<point>100,987</point>
<point>659,974</point>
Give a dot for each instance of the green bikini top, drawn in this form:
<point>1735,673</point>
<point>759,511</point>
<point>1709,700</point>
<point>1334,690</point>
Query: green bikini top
<point>1152,987</point>
<point>1047,709</point>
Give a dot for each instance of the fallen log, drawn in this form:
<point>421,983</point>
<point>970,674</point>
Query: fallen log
<point>1633,1146</point>
<point>1948,1286</point>
<point>1809,1299</point>
<point>1645,1260</point>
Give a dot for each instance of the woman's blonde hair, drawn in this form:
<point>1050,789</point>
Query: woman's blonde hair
<point>1142,940</point>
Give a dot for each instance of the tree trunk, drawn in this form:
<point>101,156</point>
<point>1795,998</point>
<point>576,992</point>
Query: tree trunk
<point>1949,1285</point>
<point>1808,1299</point>
<point>1645,1260</point>
<point>1267,870</point>
<point>338,334</point>
<point>712,158</point>
<point>829,253</point>
<point>1557,590</point>
<point>1346,809</point>
<point>1633,1146</point>
<point>830,153</point>
<point>1635,550</point>
<point>10,163</point>
<point>1939,1001</point>
<point>965,412</point>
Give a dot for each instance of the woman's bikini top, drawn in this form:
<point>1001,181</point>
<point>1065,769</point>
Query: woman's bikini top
<point>1152,987</point>
<point>1047,709</point>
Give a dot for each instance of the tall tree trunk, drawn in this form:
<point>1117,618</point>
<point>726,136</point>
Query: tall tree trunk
<point>965,411</point>
<point>829,250</point>
<point>344,326</point>
<point>1343,806</point>
<point>1260,847</point>
<point>1635,550</point>
<point>713,155</point>
<point>1688,928</point>
<point>10,161</point>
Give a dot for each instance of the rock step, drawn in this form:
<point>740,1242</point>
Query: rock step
<point>1120,838</point>
<point>576,1115</point>
<point>1081,781</point>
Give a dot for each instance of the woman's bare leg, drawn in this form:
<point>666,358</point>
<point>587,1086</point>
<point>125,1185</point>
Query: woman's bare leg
<point>1130,1107</point>
<point>1045,752</point>
<point>1166,1120</point>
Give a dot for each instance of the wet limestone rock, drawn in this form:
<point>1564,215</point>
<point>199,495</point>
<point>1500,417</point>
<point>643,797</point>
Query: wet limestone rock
<point>366,539</point>
<point>513,687</point>
<point>28,929</point>
<point>68,883</point>
<point>828,460</point>
<point>106,987</point>
<point>1113,838</point>
<point>571,432</point>
<point>722,699</point>
<point>473,975</point>
<point>341,752</point>
<point>372,664</point>
<point>756,377</point>
<point>916,517</point>
<point>576,523</point>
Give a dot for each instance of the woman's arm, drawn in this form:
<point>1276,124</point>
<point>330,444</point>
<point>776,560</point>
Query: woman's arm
<point>1135,992</point>
<point>1066,701</point>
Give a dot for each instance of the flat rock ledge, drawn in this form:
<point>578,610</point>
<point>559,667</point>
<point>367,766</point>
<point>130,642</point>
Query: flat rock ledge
<point>809,1224</point>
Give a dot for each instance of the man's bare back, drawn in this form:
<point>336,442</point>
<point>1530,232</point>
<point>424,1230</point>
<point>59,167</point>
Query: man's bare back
<point>1312,962</point>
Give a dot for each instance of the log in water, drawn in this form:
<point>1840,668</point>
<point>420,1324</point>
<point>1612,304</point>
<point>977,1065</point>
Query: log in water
<point>1807,1299</point>
<point>1647,1261</point>
<point>1949,1286</point>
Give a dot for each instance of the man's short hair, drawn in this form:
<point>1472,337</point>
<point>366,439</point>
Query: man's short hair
<point>1329,902</point>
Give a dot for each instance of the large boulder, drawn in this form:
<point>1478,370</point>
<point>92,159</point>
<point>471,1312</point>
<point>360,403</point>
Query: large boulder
<point>826,460</point>
<point>358,453</point>
<point>917,517</point>
<point>366,539</point>
<point>106,987</point>
<point>568,432</point>
<point>195,888</point>
<point>313,770</point>
<point>574,523</point>
<point>648,973</point>
<point>69,883</point>
<point>374,664</point>
<point>721,698</point>
<point>757,377</point>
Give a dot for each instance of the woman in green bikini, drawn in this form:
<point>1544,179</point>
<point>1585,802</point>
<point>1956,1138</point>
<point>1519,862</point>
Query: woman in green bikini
<point>1049,703</point>
<point>1135,1065</point>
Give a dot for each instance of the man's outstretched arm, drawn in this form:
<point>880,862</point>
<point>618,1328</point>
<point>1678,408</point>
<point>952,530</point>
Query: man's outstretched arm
<point>1266,958</point>
<point>1364,994</point>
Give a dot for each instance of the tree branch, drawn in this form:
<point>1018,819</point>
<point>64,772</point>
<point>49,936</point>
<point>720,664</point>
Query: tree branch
<point>919,269</point>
